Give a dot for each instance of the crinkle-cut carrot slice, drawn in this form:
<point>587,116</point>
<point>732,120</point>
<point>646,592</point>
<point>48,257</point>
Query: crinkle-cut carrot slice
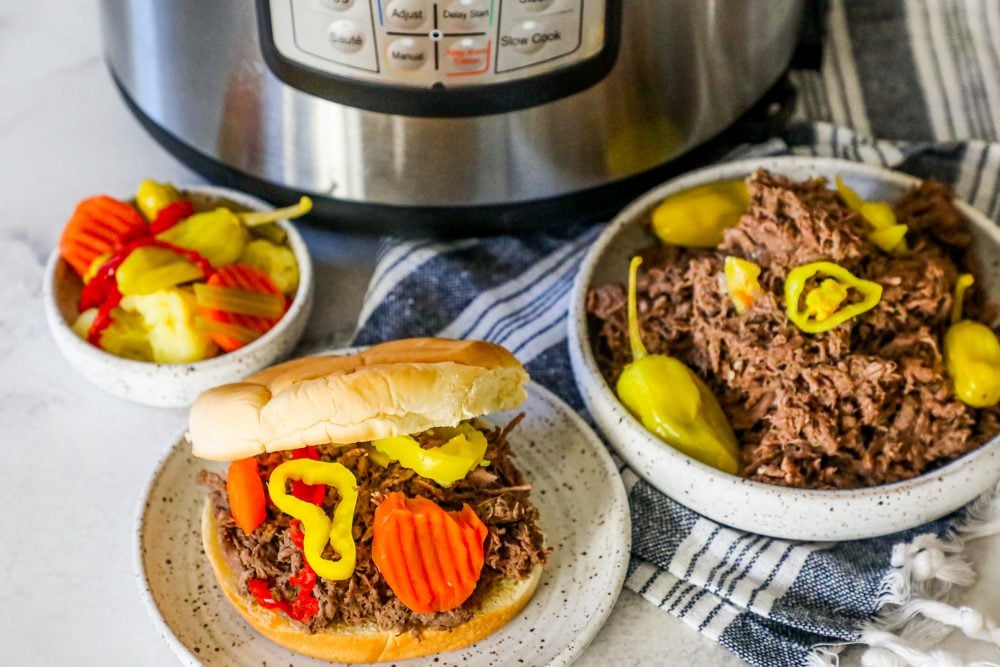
<point>431,559</point>
<point>97,226</point>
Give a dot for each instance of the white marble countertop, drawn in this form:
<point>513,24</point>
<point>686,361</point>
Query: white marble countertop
<point>77,458</point>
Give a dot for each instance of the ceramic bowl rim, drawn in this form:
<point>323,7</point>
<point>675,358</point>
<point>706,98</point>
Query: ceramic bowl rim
<point>298,308</point>
<point>580,335</point>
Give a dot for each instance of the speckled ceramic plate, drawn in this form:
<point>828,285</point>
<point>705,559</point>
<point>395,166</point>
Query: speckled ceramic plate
<point>584,515</point>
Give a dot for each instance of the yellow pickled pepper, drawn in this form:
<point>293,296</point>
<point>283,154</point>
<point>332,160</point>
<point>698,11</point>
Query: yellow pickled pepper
<point>217,235</point>
<point>886,232</point>
<point>742,282</point>
<point>151,197</point>
<point>446,464</point>
<point>149,269</point>
<point>221,235</point>
<point>972,355</point>
<point>824,309</point>
<point>672,402</point>
<point>317,527</point>
<point>698,217</point>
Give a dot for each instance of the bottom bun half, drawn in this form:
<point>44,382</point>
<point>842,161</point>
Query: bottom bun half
<point>366,643</point>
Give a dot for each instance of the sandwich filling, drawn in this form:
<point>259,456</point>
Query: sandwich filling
<point>497,493</point>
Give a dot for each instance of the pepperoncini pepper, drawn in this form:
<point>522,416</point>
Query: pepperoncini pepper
<point>886,232</point>
<point>742,282</point>
<point>257,218</point>
<point>217,235</point>
<point>824,309</point>
<point>672,402</point>
<point>320,529</point>
<point>972,355</point>
<point>152,197</point>
<point>698,218</point>
<point>221,235</point>
<point>446,464</point>
<point>150,268</point>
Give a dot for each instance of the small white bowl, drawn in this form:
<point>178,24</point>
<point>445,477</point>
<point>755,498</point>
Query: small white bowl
<point>790,513</point>
<point>174,385</point>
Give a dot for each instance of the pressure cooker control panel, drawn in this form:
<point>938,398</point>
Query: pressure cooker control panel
<point>439,57</point>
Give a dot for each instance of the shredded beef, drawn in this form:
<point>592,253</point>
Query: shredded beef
<point>866,403</point>
<point>498,493</point>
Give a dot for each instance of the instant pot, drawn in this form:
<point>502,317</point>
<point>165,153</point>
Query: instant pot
<point>452,116</point>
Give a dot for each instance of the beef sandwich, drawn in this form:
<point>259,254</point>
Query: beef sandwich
<point>368,514</point>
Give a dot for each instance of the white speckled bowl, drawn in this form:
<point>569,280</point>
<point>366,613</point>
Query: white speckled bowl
<point>174,385</point>
<point>789,513</point>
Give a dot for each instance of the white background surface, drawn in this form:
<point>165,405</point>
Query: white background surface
<point>76,460</point>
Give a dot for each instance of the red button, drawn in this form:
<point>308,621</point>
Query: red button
<point>468,55</point>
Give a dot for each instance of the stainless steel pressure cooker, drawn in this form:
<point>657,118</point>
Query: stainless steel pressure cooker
<point>462,116</point>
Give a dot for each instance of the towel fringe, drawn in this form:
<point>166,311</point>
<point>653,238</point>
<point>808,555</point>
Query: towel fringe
<point>916,601</point>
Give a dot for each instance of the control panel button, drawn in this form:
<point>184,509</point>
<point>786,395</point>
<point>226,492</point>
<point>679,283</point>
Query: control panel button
<point>533,5</point>
<point>468,55</point>
<point>346,36</point>
<point>526,41</point>
<point>406,14</point>
<point>337,5</point>
<point>406,54</point>
<point>530,37</point>
<point>466,15</point>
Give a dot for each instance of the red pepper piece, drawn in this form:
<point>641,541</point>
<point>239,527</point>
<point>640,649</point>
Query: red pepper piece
<point>305,605</point>
<point>207,270</point>
<point>103,318</point>
<point>303,608</point>
<point>295,533</point>
<point>311,493</point>
<point>170,215</point>
<point>262,592</point>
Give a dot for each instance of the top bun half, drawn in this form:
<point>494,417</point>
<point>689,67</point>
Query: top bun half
<point>398,388</point>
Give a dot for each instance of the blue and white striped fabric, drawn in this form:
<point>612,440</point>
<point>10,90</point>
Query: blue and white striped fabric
<point>767,600</point>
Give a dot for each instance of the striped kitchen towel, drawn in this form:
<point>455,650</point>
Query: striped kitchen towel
<point>909,70</point>
<point>770,601</point>
<point>918,72</point>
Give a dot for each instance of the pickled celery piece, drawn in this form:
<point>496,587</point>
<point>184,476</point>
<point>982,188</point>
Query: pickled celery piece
<point>126,336</point>
<point>150,269</point>
<point>239,301</point>
<point>168,316</point>
<point>277,261</point>
<point>217,235</point>
<point>243,334</point>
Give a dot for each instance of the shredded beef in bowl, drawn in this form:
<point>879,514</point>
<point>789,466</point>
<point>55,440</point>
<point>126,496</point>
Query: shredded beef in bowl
<point>866,403</point>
